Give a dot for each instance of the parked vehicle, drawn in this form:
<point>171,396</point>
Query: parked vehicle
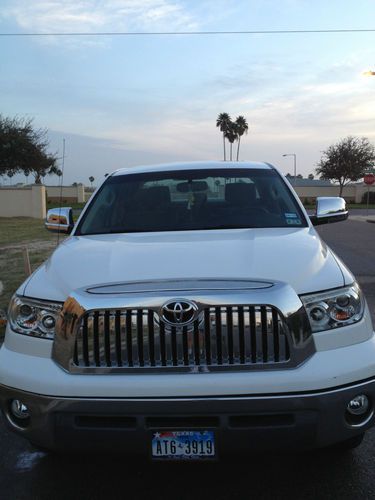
<point>193,312</point>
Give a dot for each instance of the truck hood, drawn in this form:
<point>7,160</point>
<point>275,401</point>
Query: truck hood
<point>294,256</point>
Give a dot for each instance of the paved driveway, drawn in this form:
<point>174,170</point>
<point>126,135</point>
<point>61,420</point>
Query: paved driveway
<point>26,474</point>
<point>354,242</point>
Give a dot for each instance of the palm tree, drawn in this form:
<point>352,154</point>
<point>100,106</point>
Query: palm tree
<point>232,136</point>
<point>91,179</point>
<point>242,128</point>
<point>223,122</point>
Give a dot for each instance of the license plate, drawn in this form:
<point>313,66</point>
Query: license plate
<point>183,445</point>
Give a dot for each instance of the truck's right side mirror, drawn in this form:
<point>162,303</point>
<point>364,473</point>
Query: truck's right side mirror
<point>329,209</point>
<point>60,220</point>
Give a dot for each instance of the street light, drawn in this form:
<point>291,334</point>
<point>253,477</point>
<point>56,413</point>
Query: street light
<point>295,165</point>
<point>368,73</point>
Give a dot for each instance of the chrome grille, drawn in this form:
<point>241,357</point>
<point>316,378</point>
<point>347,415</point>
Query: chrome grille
<point>222,337</point>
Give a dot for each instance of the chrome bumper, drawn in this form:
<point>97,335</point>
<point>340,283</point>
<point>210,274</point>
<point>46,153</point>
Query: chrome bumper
<point>241,424</point>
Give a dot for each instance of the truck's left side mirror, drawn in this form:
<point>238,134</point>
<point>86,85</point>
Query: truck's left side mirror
<point>60,220</point>
<point>329,209</point>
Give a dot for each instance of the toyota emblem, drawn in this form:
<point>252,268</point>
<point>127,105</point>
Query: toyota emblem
<point>179,312</point>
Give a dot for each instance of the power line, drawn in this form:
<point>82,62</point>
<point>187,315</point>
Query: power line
<point>196,33</point>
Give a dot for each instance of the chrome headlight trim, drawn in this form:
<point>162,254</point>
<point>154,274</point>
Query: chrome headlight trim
<point>33,317</point>
<point>334,308</point>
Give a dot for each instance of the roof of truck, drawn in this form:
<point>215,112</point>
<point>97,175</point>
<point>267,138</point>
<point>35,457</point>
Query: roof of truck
<point>192,165</point>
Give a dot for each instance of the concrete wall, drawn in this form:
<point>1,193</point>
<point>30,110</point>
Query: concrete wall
<point>352,192</point>
<point>30,201</point>
<point>361,189</point>
<point>23,202</point>
<point>70,194</point>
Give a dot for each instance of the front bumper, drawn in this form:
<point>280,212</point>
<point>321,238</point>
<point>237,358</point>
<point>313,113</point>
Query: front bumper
<point>241,424</point>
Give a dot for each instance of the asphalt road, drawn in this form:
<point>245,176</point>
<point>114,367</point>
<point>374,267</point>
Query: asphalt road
<point>354,242</point>
<point>27,474</point>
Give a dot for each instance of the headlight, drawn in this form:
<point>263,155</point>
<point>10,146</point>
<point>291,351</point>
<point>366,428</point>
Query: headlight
<point>340,307</point>
<point>33,317</point>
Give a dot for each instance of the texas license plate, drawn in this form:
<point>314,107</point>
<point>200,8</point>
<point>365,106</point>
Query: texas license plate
<point>183,445</point>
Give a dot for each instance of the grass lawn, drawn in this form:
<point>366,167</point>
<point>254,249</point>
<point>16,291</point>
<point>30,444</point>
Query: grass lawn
<point>359,205</point>
<point>15,234</point>
<point>17,230</point>
<point>350,206</point>
<point>56,204</point>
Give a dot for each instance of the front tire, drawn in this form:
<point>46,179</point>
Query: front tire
<point>349,444</point>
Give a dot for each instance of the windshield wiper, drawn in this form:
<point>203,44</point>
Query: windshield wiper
<point>129,231</point>
<point>229,226</point>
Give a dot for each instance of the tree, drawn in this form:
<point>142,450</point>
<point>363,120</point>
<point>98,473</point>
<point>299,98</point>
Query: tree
<point>231,134</point>
<point>310,176</point>
<point>223,121</point>
<point>24,148</point>
<point>242,128</point>
<point>346,161</point>
<point>91,179</point>
<point>10,175</point>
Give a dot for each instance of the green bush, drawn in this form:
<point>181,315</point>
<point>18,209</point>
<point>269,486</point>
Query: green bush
<point>371,197</point>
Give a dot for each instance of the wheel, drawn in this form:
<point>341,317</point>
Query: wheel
<point>349,444</point>
<point>42,449</point>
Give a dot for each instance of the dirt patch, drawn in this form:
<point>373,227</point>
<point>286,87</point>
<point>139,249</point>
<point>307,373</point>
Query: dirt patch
<point>31,246</point>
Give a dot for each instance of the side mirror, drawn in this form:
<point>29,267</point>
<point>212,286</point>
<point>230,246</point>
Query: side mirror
<point>60,220</point>
<point>329,209</point>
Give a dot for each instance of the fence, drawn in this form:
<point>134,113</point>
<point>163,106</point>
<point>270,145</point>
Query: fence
<point>69,194</point>
<point>352,193</point>
<point>27,201</point>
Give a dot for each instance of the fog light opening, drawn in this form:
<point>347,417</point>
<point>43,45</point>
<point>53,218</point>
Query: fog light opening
<point>359,410</point>
<point>19,413</point>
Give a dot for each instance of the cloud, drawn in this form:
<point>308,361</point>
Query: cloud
<point>45,16</point>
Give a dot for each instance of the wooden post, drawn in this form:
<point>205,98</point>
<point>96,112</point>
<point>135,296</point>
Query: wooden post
<point>26,261</point>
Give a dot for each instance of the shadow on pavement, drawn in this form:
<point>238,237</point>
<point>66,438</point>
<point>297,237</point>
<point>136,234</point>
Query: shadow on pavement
<point>321,474</point>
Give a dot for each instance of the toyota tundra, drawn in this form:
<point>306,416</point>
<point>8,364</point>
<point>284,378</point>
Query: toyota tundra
<point>192,312</point>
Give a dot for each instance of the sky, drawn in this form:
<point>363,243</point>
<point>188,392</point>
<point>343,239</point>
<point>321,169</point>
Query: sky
<point>125,101</point>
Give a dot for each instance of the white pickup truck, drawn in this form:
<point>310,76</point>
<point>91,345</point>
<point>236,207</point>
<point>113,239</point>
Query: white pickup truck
<point>193,312</point>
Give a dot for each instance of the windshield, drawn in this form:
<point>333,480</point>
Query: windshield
<point>192,200</point>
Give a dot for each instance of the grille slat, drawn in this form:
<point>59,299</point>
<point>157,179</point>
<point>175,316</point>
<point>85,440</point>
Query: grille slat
<point>219,349</point>
<point>163,352</point>
<point>85,342</point>
<point>96,339</point>
<point>263,316</point>
<point>230,335</point>
<point>253,334</point>
<point>275,331</point>
<point>129,342</point>
<point>197,357</point>
<point>207,334</point>
<point>221,337</point>
<point>107,343</point>
<point>185,346</point>
<point>118,337</point>
<point>241,333</point>
<point>151,340</point>
<point>140,337</point>
<point>174,346</point>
